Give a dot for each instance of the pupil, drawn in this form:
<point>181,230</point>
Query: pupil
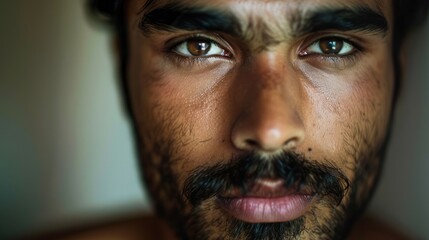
<point>198,47</point>
<point>331,46</point>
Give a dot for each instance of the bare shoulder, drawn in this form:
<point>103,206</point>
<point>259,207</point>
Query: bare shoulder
<point>135,228</point>
<point>371,228</point>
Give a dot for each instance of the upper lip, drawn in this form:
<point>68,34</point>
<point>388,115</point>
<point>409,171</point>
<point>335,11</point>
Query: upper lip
<point>264,188</point>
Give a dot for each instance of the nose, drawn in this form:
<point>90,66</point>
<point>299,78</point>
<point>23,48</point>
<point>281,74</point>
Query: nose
<point>269,118</point>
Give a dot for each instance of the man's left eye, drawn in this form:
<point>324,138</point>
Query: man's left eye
<point>330,46</point>
<point>199,47</point>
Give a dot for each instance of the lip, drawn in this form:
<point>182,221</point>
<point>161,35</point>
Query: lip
<point>266,203</point>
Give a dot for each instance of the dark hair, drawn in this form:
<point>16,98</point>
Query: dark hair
<point>408,15</point>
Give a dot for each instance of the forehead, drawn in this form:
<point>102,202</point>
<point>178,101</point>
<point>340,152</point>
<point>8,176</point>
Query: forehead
<point>277,19</point>
<point>262,23</point>
<point>261,7</point>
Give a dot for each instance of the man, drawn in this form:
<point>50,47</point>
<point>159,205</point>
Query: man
<point>261,119</point>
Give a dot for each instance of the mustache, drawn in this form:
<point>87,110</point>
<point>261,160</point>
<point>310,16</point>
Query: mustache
<point>296,171</point>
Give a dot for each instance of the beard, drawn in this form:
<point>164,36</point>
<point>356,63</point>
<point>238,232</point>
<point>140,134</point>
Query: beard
<point>195,213</point>
<point>206,185</point>
<point>189,200</point>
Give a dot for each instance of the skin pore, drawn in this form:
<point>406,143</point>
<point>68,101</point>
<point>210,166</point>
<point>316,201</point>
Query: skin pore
<point>260,99</point>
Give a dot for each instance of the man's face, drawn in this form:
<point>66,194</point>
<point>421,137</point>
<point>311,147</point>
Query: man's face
<point>260,119</point>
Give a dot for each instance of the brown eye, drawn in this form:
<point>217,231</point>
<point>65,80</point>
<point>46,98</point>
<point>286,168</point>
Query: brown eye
<point>331,45</point>
<point>198,47</point>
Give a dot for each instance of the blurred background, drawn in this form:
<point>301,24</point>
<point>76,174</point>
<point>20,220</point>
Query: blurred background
<point>66,152</point>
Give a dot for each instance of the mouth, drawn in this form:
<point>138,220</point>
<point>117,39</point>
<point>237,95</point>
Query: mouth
<point>267,201</point>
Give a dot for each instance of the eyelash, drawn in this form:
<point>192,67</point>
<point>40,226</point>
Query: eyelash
<point>341,62</point>
<point>334,59</point>
<point>188,60</point>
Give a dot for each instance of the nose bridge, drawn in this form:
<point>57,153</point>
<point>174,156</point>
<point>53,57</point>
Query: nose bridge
<point>269,70</point>
<point>269,119</point>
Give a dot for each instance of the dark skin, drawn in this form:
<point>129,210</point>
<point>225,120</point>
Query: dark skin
<point>272,83</point>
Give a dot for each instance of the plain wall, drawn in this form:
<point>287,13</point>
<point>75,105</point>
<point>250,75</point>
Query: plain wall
<point>65,146</point>
<point>66,152</point>
<point>402,197</point>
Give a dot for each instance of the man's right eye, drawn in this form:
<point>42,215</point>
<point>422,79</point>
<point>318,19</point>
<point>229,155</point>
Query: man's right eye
<point>200,47</point>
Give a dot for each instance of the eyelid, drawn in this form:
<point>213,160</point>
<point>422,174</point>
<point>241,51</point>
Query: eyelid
<point>218,40</point>
<point>313,40</point>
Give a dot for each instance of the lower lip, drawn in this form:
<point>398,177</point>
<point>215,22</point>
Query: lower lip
<point>267,210</point>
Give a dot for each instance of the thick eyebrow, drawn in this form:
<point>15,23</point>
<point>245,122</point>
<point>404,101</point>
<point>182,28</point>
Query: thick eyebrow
<point>175,16</point>
<point>361,19</point>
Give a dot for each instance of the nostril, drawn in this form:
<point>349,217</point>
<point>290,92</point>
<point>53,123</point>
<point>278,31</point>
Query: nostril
<point>252,143</point>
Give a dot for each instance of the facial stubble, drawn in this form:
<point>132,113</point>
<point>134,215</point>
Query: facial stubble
<point>161,157</point>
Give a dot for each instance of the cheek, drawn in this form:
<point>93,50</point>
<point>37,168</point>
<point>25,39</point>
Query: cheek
<point>349,113</point>
<point>179,110</point>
